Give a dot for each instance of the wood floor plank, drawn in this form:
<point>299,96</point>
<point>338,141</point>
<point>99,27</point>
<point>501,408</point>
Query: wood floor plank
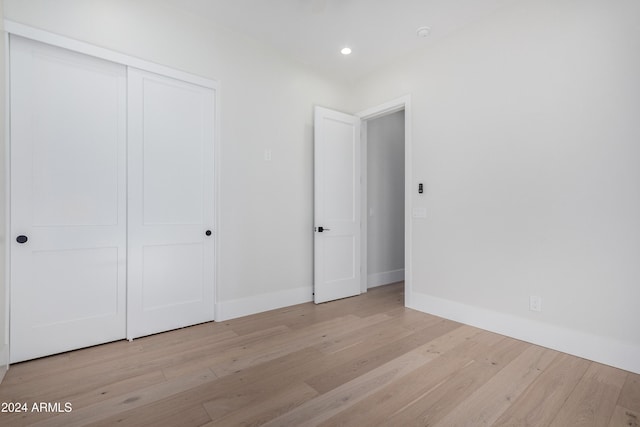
<point>328,404</point>
<point>241,392</point>
<point>49,388</point>
<point>72,363</point>
<point>328,380</point>
<point>375,333</point>
<point>264,410</point>
<point>295,340</point>
<point>295,314</point>
<point>594,399</point>
<point>114,366</point>
<point>299,316</point>
<point>372,407</point>
<point>411,319</point>
<point>80,400</point>
<point>158,415</point>
<point>384,403</point>
<point>108,391</point>
<point>271,379</point>
<point>248,387</point>
<point>454,338</point>
<point>237,391</point>
<point>194,359</point>
<point>205,332</point>
<point>630,393</point>
<point>540,403</point>
<point>128,401</point>
<point>623,417</point>
<point>488,402</point>
<point>437,402</point>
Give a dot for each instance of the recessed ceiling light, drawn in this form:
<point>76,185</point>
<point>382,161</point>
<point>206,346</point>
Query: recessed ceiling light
<point>346,51</point>
<point>423,31</point>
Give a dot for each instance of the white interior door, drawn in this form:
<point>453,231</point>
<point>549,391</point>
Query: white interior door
<point>171,204</point>
<point>337,205</point>
<point>68,200</point>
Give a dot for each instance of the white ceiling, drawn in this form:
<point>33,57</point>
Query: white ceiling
<point>314,31</point>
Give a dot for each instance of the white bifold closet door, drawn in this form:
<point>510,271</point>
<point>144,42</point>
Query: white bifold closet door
<point>112,193</point>
<point>171,194</point>
<point>68,200</point>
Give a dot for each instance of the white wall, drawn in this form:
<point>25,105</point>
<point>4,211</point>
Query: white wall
<point>267,102</point>
<point>525,130</point>
<point>385,199</point>
<point>4,335</point>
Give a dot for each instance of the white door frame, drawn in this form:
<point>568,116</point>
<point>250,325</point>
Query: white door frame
<point>398,104</point>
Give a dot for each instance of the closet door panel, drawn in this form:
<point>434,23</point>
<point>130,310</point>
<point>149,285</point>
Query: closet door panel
<point>173,150</point>
<point>68,200</point>
<point>170,272</point>
<point>166,265</point>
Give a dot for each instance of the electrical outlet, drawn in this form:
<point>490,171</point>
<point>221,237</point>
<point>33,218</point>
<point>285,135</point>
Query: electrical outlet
<point>535,303</point>
<point>267,155</point>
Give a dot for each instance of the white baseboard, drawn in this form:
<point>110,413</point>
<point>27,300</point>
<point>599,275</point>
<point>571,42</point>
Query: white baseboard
<point>226,310</point>
<point>619,354</point>
<point>384,278</point>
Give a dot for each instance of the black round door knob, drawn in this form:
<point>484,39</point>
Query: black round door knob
<point>208,232</point>
<point>22,239</point>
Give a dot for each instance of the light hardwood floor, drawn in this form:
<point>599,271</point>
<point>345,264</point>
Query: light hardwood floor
<point>362,361</point>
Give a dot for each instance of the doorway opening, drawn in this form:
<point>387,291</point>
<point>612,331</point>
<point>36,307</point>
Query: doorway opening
<point>386,191</point>
<point>384,207</point>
